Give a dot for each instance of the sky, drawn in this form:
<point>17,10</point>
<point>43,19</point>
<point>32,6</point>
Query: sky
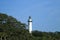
<point>45,13</point>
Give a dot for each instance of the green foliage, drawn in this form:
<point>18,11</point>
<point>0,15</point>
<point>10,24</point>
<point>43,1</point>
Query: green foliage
<point>46,35</point>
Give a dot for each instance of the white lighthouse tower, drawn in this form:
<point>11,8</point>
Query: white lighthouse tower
<point>30,24</point>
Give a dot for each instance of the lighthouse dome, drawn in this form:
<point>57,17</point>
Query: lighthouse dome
<point>29,20</point>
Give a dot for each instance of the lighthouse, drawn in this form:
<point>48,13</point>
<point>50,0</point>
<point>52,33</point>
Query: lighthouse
<point>30,24</point>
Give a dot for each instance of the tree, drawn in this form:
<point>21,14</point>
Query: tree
<point>10,26</point>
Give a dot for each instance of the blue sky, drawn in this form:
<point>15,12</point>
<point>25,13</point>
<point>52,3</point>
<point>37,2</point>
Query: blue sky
<point>45,13</point>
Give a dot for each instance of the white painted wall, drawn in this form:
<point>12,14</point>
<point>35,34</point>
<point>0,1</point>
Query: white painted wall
<point>30,25</point>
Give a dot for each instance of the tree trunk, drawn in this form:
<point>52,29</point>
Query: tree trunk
<point>1,37</point>
<point>4,38</point>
